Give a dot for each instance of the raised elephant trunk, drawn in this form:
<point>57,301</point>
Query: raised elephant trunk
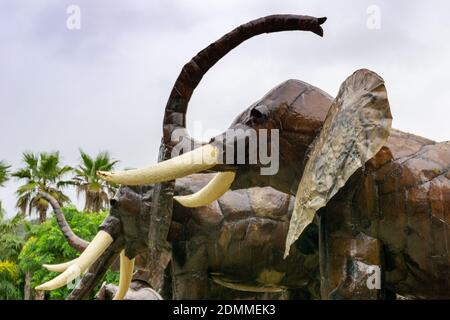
<point>193,71</point>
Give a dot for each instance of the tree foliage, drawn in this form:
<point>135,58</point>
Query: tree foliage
<point>25,246</point>
<point>41,172</point>
<point>96,191</point>
<point>11,237</point>
<point>47,245</point>
<point>11,242</point>
<point>10,281</point>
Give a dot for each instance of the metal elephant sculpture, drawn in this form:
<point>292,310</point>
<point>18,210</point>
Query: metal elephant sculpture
<point>381,196</point>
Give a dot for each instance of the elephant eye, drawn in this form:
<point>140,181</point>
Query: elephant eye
<point>260,111</point>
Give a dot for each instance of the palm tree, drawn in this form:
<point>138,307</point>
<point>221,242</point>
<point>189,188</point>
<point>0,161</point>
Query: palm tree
<point>42,172</point>
<point>96,191</point>
<point>4,176</point>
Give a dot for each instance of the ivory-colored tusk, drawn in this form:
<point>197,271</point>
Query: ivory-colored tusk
<point>59,267</point>
<point>95,249</point>
<point>197,160</point>
<point>212,191</point>
<point>126,273</point>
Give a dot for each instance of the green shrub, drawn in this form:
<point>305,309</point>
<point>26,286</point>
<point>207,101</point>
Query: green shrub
<point>10,280</point>
<point>47,245</point>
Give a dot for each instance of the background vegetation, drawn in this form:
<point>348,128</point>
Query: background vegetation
<point>26,242</point>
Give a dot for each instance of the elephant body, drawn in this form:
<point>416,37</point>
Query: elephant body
<point>237,242</point>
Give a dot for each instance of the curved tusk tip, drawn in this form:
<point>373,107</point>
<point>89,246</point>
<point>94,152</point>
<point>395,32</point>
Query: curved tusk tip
<point>49,267</point>
<point>54,268</point>
<point>178,199</point>
<point>191,202</point>
<point>216,188</point>
<point>185,201</point>
<point>59,267</point>
<point>42,287</point>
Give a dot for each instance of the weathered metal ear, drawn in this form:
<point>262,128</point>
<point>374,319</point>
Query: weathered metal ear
<point>356,127</point>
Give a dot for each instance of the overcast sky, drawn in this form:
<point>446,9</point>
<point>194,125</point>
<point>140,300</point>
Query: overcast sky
<point>104,86</point>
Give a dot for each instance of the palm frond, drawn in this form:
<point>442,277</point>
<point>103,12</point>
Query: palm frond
<point>4,173</point>
<point>62,171</point>
<point>87,162</point>
<point>31,159</point>
<point>23,203</point>
<point>24,173</point>
<point>27,188</point>
<point>103,161</point>
<point>59,196</point>
<point>65,183</point>
<point>78,172</point>
<point>108,166</point>
<point>48,166</point>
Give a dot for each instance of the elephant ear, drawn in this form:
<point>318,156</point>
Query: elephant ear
<point>356,127</point>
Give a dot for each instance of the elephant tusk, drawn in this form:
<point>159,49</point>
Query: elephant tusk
<point>126,273</point>
<point>59,267</point>
<point>197,160</point>
<point>95,249</point>
<point>212,191</point>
